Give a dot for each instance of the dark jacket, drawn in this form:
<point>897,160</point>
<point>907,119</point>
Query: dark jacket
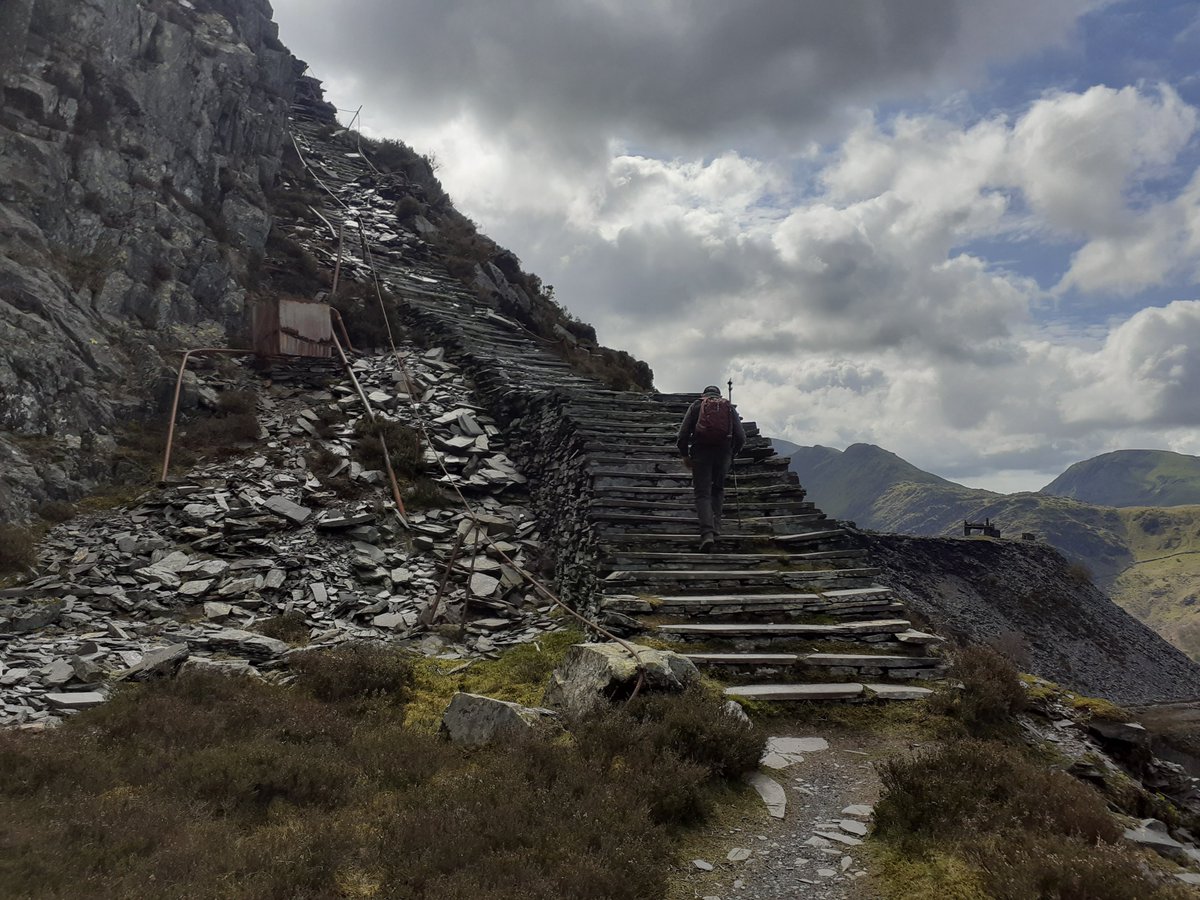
<point>688,429</point>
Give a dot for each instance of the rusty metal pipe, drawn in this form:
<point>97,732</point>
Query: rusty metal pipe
<point>387,457</point>
<point>175,401</point>
<point>367,255</point>
<point>337,318</point>
<point>337,265</point>
<point>430,612</point>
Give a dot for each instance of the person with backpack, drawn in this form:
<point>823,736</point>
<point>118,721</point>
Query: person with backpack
<point>709,438</point>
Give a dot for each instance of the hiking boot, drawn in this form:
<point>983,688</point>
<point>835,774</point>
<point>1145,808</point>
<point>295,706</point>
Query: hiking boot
<point>707,543</point>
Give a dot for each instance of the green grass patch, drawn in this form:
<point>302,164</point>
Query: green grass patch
<point>519,676</point>
<point>1099,708</point>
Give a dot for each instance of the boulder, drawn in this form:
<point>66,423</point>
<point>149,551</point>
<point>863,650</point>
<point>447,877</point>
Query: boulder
<point>34,617</point>
<point>474,720</point>
<point>159,661</point>
<point>1153,834</point>
<point>231,667</point>
<point>594,673</point>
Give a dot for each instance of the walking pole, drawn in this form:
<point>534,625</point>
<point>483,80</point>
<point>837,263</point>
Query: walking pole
<point>737,494</point>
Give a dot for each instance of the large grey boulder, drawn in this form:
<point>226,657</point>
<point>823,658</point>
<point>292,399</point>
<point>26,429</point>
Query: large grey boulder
<point>1153,834</point>
<point>592,674</point>
<point>474,720</point>
<point>157,662</point>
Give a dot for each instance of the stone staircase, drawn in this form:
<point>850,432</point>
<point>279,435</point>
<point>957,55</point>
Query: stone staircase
<point>787,608</point>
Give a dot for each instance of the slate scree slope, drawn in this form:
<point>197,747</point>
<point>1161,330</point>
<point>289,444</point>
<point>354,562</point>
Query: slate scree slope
<point>789,608</point>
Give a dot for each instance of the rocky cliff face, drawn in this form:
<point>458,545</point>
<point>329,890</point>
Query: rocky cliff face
<point>137,143</point>
<point>1026,598</point>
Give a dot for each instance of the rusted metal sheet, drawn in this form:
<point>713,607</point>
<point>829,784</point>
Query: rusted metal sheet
<point>285,327</point>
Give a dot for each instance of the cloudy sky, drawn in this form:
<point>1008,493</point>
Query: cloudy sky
<point>967,232</point>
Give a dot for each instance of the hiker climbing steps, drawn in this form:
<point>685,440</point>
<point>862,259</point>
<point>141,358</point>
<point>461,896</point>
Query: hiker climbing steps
<point>785,607</point>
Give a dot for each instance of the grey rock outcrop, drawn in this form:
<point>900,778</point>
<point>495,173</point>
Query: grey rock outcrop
<point>136,144</point>
<point>594,673</point>
<point>474,720</point>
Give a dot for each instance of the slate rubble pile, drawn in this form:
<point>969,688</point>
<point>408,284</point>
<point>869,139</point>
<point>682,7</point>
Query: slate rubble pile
<point>189,574</point>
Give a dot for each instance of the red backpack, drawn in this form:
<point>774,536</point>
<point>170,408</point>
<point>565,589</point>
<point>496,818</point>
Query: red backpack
<point>715,424</point>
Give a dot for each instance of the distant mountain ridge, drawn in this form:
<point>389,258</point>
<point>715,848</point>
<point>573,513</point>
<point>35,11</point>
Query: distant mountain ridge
<point>1132,478</point>
<point>1148,559</point>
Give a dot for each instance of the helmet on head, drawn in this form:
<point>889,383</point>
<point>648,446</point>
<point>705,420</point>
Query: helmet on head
<point>712,391</point>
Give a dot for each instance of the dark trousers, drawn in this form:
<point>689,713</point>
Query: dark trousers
<point>710,466</point>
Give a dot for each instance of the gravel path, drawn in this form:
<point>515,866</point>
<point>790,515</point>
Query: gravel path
<point>829,792</point>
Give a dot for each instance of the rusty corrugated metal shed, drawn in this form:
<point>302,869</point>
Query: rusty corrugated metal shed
<point>282,327</point>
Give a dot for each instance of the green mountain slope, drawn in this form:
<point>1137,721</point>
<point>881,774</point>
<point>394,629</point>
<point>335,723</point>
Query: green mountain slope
<point>1161,585</point>
<point>865,484</point>
<point>1132,478</point>
<point>1147,559</point>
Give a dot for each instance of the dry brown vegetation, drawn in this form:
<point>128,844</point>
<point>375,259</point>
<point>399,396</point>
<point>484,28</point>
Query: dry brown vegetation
<point>1021,829</point>
<point>359,307</point>
<point>232,422</point>
<point>56,511</point>
<point>980,816</point>
<point>990,696</point>
<point>210,786</point>
<point>403,443</point>
<point>288,626</point>
<point>17,549</point>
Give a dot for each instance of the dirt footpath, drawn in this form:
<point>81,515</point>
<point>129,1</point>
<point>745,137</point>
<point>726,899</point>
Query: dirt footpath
<point>816,850</point>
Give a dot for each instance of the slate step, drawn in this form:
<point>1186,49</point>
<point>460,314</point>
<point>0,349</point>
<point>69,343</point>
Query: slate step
<point>603,452</point>
<point>855,629</point>
<point>777,476</point>
<point>617,449</point>
<point>828,660</point>
<point>672,467</point>
<point>719,581</point>
<point>677,518</point>
<point>687,503</point>
<point>855,602</point>
<point>779,489</point>
<point>814,535</point>
<point>796,692</point>
<point>825,692</point>
<point>621,559</point>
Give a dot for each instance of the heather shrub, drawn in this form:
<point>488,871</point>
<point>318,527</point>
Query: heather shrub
<point>696,726</point>
<point>973,785</point>
<point>233,788</point>
<point>56,511</point>
<point>237,403</point>
<point>17,548</point>
<point>408,208</point>
<point>425,493</point>
<point>982,813</point>
<point>356,671</point>
<point>289,626</point>
<point>991,694</point>
<point>1079,574</point>
<point>678,742</point>
<point>218,432</point>
<point>403,446</point>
